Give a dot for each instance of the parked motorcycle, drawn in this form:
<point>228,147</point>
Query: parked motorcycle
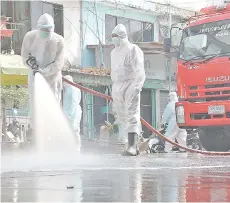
<point>13,131</point>
<point>157,145</point>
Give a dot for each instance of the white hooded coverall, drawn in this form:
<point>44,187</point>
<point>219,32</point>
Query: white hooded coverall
<point>49,54</point>
<point>173,131</point>
<point>128,76</point>
<point>72,108</point>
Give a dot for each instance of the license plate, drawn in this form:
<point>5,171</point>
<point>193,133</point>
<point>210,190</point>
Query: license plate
<point>215,110</point>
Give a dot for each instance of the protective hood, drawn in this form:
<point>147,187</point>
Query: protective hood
<point>46,21</point>
<point>67,77</point>
<point>121,31</point>
<point>173,97</point>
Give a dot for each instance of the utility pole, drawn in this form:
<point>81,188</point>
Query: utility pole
<point>169,57</point>
<point>170,17</point>
<point>99,37</point>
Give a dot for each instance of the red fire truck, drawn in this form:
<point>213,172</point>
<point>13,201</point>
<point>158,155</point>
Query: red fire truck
<point>203,76</point>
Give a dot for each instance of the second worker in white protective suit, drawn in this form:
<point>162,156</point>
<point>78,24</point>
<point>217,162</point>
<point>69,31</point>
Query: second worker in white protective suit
<point>48,49</point>
<point>72,108</point>
<point>128,76</point>
<point>173,131</point>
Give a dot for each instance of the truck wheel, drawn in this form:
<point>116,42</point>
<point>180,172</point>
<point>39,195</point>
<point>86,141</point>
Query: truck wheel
<point>215,139</point>
<point>197,146</point>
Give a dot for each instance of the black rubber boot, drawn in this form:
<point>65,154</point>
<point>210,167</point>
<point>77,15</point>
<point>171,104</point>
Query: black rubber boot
<point>133,149</point>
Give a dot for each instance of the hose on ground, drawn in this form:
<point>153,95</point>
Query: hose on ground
<point>145,123</point>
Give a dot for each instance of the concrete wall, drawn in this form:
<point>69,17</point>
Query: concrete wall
<point>72,29</point>
<point>93,24</point>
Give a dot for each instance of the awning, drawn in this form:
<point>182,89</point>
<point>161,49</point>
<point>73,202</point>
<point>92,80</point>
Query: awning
<point>13,71</point>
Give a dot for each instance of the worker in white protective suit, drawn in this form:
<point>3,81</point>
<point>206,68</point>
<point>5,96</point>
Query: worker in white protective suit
<point>72,108</point>
<point>173,131</point>
<point>48,49</point>
<point>121,135</point>
<point>128,76</point>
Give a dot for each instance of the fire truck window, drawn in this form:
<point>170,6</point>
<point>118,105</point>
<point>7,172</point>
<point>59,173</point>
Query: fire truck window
<point>218,39</point>
<point>224,36</point>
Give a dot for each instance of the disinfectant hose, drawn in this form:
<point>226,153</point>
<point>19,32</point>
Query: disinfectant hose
<point>145,123</point>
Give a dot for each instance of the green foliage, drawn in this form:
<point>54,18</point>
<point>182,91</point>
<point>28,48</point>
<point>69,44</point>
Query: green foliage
<point>18,95</point>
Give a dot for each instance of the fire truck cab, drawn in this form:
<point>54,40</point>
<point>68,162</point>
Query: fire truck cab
<point>203,76</point>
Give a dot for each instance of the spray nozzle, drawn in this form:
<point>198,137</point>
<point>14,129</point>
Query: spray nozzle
<point>31,61</point>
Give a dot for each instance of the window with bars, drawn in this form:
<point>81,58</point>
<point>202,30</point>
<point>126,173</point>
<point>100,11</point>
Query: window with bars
<point>138,31</point>
<point>148,32</point>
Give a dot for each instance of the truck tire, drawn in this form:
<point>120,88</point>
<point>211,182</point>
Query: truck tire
<point>193,140</point>
<point>215,139</point>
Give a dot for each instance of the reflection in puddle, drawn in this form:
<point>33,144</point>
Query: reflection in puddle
<point>208,189</point>
<point>15,190</point>
<point>121,186</point>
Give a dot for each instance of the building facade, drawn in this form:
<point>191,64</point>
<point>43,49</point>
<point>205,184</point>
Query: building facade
<point>87,27</point>
<point>98,19</point>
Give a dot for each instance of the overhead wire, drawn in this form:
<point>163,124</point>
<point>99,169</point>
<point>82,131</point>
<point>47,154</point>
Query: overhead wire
<point>125,23</point>
<point>97,16</point>
<point>192,2</point>
<point>165,4</point>
<point>157,3</point>
<point>72,25</point>
<point>96,35</point>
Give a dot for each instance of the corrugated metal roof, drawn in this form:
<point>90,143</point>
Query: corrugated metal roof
<point>90,71</point>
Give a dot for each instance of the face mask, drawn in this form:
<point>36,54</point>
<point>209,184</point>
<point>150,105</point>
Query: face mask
<point>44,34</point>
<point>116,41</point>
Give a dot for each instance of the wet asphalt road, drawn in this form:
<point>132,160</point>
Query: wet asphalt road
<point>103,177</point>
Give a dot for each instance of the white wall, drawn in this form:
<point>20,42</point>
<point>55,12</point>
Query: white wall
<point>72,16</point>
<point>155,66</point>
